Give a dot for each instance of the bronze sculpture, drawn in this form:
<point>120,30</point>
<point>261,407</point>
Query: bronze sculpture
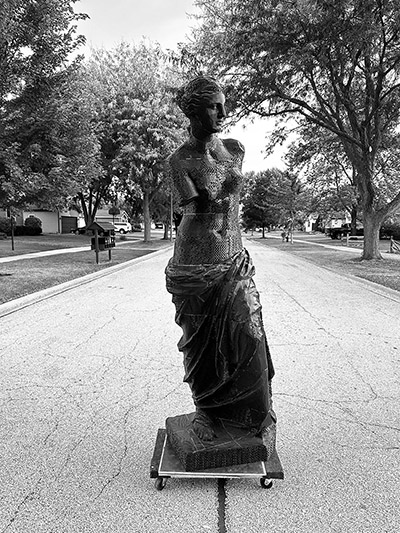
<point>226,356</point>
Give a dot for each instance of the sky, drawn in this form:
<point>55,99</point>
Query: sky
<point>166,22</point>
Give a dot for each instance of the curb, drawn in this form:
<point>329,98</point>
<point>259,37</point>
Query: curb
<point>338,247</point>
<point>30,299</point>
<point>377,288</point>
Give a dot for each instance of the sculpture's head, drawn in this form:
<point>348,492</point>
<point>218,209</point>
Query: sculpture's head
<point>203,102</point>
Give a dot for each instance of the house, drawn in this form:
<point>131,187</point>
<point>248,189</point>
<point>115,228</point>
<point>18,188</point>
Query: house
<point>65,221</point>
<point>317,222</point>
<point>52,221</point>
<point>55,221</point>
<point>311,223</point>
<point>103,215</point>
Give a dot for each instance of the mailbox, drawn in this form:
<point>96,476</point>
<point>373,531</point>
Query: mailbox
<point>104,238</point>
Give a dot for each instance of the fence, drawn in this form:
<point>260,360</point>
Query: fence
<point>356,242</point>
<point>394,246</point>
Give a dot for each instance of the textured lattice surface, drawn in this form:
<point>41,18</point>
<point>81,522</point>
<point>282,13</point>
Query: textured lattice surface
<point>269,438</point>
<point>226,355</point>
<point>232,445</point>
<point>208,179</point>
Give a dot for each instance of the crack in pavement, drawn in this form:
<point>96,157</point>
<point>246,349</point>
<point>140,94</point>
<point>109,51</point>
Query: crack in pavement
<point>96,332</point>
<point>355,421</point>
<point>122,458</point>
<point>306,311</point>
<point>20,506</point>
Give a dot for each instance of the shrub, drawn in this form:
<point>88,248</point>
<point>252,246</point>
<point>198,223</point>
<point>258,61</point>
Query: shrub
<point>5,225</point>
<point>30,230</point>
<point>33,226</point>
<point>19,230</point>
<point>33,222</point>
<point>391,229</point>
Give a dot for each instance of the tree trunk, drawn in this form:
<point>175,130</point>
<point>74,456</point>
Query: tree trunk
<point>353,223</point>
<point>90,210</point>
<point>90,220</point>
<point>372,225</point>
<point>146,216</point>
<point>84,208</point>
<point>372,219</point>
<point>166,230</point>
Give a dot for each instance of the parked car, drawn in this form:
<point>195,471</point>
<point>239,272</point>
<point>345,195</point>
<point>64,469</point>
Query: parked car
<point>79,231</point>
<point>122,227</point>
<point>337,233</point>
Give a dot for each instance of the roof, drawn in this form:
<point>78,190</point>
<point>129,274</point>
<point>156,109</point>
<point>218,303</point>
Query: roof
<point>101,226</point>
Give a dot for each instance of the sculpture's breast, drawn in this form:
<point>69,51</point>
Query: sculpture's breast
<point>209,230</point>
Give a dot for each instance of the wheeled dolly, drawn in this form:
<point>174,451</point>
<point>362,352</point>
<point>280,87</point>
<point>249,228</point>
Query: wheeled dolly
<point>165,464</point>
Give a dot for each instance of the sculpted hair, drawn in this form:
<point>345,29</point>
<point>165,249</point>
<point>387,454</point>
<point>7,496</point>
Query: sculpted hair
<point>189,97</point>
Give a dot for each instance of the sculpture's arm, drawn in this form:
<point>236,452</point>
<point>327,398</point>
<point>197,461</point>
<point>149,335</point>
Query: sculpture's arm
<point>182,181</point>
<point>236,149</point>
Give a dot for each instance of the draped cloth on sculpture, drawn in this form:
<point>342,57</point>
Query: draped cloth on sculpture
<point>226,357</point>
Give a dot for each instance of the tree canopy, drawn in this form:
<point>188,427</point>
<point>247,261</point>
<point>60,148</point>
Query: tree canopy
<point>138,125</point>
<point>274,198</point>
<point>335,64</point>
<point>317,155</point>
<point>45,139</point>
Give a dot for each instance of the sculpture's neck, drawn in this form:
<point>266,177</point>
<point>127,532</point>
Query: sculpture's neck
<point>205,142</point>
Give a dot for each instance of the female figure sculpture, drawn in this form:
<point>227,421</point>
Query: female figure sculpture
<point>226,357</point>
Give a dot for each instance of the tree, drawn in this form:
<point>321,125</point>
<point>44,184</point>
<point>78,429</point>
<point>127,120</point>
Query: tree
<point>164,206</point>
<point>257,208</point>
<point>336,64</point>
<point>49,149</point>
<point>317,155</point>
<point>273,198</point>
<point>36,40</point>
<point>44,140</point>
<point>138,124</point>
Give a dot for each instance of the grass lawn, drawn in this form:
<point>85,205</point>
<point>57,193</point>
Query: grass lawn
<point>22,277</point>
<point>28,244</point>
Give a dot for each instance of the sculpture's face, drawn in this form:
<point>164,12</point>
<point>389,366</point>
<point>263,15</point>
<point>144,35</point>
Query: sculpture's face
<point>211,113</point>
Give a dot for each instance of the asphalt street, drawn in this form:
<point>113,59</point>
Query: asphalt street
<point>89,373</point>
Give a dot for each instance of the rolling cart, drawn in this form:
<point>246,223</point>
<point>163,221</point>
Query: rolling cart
<point>165,465</point>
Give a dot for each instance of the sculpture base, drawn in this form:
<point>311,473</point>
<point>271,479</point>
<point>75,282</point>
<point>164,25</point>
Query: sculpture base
<point>232,445</point>
<point>165,464</point>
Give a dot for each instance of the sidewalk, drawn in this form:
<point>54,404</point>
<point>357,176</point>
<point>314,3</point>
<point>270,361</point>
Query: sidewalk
<point>352,248</point>
<point>59,251</point>
<point>88,376</point>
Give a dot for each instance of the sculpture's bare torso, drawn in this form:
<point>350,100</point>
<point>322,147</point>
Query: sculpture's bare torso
<point>208,178</point>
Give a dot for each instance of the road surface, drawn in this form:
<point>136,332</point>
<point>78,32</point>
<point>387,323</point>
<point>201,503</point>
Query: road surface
<point>89,375</point>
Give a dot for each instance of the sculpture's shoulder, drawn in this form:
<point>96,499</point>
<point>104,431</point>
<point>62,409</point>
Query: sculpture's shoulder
<point>181,154</point>
<point>234,147</point>
<point>180,163</point>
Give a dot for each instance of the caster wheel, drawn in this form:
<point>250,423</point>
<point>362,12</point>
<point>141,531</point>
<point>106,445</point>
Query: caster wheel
<point>160,483</point>
<point>266,483</point>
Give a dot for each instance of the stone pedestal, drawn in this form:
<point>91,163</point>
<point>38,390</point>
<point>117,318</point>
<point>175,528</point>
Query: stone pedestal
<point>232,445</point>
